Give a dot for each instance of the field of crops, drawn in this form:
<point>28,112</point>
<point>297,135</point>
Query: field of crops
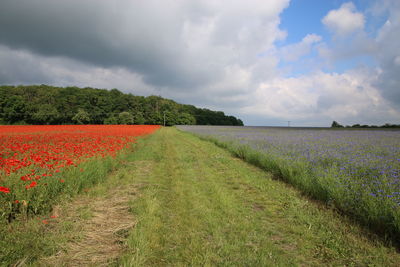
<point>356,170</point>
<point>39,162</point>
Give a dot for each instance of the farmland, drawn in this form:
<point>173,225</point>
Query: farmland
<point>168,199</point>
<point>34,161</point>
<point>358,171</point>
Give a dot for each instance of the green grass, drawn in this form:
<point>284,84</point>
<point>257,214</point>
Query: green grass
<point>196,204</point>
<point>201,206</point>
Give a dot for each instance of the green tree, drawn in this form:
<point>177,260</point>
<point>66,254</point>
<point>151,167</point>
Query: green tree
<point>81,117</point>
<point>46,114</point>
<point>138,118</point>
<point>15,109</point>
<point>111,120</point>
<point>185,119</point>
<point>42,104</point>
<point>125,118</point>
<point>335,124</point>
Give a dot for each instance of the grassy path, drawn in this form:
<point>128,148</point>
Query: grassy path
<point>201,206</point>
<point>180,201</point>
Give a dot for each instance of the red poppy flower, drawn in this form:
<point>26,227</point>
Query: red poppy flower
<point>33,184</point>
<point>4,189</point>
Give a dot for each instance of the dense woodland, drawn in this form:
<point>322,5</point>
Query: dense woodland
<point>43,104</point>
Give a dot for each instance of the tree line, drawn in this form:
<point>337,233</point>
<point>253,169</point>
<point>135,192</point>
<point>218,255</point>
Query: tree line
<point>43,104</point>
<point>335,124</point>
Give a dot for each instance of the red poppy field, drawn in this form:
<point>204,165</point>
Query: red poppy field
<point>38,162</point>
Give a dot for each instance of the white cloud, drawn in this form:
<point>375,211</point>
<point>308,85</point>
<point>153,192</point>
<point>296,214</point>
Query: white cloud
<point>388,55</point>
<point>344,20</point>
<point>295,51</point>
<point>321,98</point>
<point>380,47</point>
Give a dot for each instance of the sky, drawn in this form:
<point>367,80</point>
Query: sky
<point>267,62</point>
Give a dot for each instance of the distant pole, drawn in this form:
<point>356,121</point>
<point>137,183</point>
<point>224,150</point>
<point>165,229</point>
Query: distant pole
<point>288,123</point>
<point>164,118</point>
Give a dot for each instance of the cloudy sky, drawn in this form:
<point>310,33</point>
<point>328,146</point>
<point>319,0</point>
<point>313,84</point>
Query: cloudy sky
<point>265,61</point>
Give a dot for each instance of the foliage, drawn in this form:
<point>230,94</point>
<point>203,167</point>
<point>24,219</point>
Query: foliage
<point>335,124</point>
<point>42,104</point>
<point>386,125</point>
<point>81,117</point>
<point>125,118</point>
<point>48,114</point>
<point>111,120</point>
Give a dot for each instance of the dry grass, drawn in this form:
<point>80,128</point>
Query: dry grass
<point>142,167</point>
<point>101,232</point>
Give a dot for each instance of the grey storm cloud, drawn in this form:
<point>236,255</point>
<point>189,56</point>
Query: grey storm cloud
<point>142,37</point>
<point>175,44</point>
<point>13,66</point>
